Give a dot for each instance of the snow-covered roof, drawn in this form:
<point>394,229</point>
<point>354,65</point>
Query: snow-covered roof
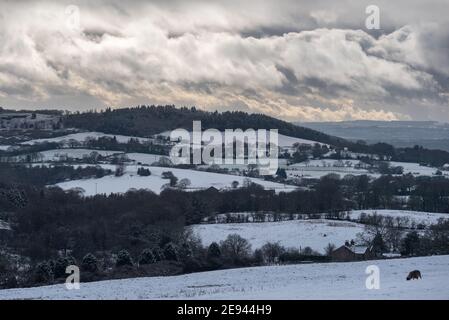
<point>391,255</point>
<point>4,225</point>
<point>357,249</point>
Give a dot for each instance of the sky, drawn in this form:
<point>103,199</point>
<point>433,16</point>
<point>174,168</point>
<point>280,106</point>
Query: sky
<point>295,60</point>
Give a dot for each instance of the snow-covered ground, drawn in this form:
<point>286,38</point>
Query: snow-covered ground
<point>287,141</point>
<point>304,281</point>
<point>62,154</point>
<point>316,234</point>
<point>130,180</point>
<point>327,163</point>
<point>414,168</point>
<point>145,158</point>
<point>416,217</point>
<point>82,136</point>
<point>4,147</point>
<point>318,168</point>
<point>317,173</point>
<point>4,225</point>
<point>284,141</point>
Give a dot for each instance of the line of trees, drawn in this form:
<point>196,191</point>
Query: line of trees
<point>170,257</point>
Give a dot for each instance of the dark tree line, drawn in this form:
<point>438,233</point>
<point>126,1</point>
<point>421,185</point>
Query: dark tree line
<point>150,120</point>
<point>43,175</point>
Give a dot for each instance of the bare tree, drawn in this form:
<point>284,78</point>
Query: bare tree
<point>236,247</point>
<point>329,249</point>
<point>272,251</point>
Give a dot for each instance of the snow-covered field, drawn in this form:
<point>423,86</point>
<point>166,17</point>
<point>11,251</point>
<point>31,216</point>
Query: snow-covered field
<point>284,141</point>
<point>316,173</point>
<point>145,158</point>
<point>414,168</point>
<point>294,233</point>
<point>316,233</point>
<point>327,163</point>
<point>82,136</point>
<point>130,180</point>
<point>304,281</point>
<point>318,168</point>
<point>287,141</point>
<point>417,217</point>
<point>62,154</point>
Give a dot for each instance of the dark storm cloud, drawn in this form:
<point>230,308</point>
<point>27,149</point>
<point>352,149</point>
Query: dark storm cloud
<point>299,60</point>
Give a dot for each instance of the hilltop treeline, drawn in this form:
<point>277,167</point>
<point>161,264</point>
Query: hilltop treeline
<point>149,120</point>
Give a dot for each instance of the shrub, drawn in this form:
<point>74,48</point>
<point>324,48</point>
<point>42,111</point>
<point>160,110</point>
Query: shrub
<point>192,265</point>
<point>213,251</point>
<point>258,256</point>
<point>61,264</point>
<point>89,263</point>
<point>43,273</point>
<point>171,251</point>
<point>123,259</point>
<point>272,251</point>
<point>146,257</point>
<point>144,172</point>
<point>158,254</point>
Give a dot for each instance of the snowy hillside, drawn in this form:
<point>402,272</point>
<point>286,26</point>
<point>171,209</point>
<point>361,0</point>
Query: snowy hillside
<point>82,136</point>
<point>306,281</point>
<point>130,180</point>
<point>416,217</point>
<point>145,158</point>
<point>414,168</point>
<point>61,154</point>
<point>318,168</point>
<point>295,233</point>
<point>284,141</point>
<point>4,147</point>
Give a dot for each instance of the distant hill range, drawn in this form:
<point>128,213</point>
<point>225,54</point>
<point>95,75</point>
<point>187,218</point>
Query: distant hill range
<point>429,134</point>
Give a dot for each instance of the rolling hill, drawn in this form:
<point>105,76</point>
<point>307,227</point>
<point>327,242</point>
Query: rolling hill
<point>303,281</point>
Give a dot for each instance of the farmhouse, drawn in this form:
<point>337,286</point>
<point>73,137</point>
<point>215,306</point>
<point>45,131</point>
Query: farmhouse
<point>352,253</point>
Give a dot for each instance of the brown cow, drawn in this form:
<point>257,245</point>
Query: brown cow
<point>415,274</point>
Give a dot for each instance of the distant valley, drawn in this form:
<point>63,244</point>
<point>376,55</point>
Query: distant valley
<point>429,134</point>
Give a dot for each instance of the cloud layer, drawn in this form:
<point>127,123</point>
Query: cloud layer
<point>290,59</point>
